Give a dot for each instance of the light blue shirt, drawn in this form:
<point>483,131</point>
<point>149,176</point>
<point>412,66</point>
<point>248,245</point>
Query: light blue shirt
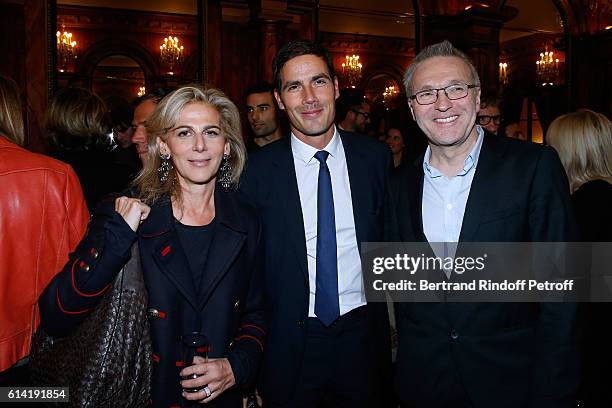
<point>350,282</point>
<point>444,199</point>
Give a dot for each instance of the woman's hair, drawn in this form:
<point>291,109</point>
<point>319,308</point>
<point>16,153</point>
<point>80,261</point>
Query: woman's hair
<point>583,140</point>
<point>77,119</point>
<point>11,116</point>
<point>165,117</point>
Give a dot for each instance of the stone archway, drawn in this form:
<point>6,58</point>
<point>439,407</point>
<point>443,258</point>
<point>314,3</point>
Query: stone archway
<point>105,48</point>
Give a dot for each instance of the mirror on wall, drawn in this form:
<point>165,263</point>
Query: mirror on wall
<point>118,76</point>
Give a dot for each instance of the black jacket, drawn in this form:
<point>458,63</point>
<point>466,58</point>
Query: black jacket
<point>501,354</point>
<point>270,183</point>
<point>228,309</point>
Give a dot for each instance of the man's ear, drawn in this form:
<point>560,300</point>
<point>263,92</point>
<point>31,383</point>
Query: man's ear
<point>279,100</point>
<point>336,88</point>
<point>478,100</point>
<point>411,110</point>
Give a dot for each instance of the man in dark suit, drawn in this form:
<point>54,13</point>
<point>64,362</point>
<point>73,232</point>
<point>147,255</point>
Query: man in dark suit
<point>471,186</point>
<point>320,194</point>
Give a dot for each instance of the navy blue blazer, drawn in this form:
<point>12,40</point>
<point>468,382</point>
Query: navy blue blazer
<point>270,183</point>
<point>503,354</point>
<point>228,309</point>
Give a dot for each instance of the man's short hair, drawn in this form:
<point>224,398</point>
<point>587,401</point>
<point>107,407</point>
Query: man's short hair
<point>489,100</point>
<point>295,49</point>
<point>441,49</point>
<point>349,99</point>
<point>155,95</point>
<point>259,87</point>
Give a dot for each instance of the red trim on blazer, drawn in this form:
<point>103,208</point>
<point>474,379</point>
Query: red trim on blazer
<point>245,336</point>
<point>59,303</point>
<point>166,250</point>
<point>83,293</point>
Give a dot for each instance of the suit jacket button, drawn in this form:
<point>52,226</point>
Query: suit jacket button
<point>153,313</point>
<point>237,304</point>
<point>454,335</point>
<point>231,344</point>
<point>85,267</point>
<point>300,323</point>
<point>94,253</point>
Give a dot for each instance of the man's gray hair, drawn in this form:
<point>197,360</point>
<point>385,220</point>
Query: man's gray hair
<point>441,49</point>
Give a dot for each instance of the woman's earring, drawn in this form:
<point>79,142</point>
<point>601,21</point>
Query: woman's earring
<point>164,167</point>
<point>225,173</point>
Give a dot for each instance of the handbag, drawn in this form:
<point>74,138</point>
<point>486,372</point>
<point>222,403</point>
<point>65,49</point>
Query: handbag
<point>107,360</point>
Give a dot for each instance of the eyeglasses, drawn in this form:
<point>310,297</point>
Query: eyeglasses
<point>484,120</point>
<point>452,92</point>
<point>365,114</point>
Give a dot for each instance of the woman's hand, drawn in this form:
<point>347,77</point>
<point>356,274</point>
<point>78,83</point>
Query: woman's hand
<point>132,210</point>
<point>216,374</point>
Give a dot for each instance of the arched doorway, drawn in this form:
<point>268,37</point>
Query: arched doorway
<point>118,76</point>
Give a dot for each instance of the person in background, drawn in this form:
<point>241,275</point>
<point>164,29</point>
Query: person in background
<point>143,109</point>
<point>354,112</point>
<point>200,246</point>
<point>395,140</point>
<point>263,115</point>
<point>583,140</point>
<point>124,155</point>
<point>43,216</point>
<point>79,131</point>
<point>489,115</point>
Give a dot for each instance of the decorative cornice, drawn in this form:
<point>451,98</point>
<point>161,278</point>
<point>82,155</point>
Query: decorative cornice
<point>335,42</point>
<point>88,18</point>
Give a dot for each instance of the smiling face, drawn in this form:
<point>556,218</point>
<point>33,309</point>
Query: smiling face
<point>445,122</point>
<point>308,95</point>
<point>261,113</point>
<point>196,145</point>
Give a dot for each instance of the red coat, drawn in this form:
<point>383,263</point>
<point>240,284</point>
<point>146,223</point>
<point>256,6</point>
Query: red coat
<point>43,217</point>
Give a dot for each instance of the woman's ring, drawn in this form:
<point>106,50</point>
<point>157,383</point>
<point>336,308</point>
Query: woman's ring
<point>207,391</point>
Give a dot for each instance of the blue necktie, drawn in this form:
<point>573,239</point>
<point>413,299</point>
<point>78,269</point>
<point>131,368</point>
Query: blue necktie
<point>327,307</point>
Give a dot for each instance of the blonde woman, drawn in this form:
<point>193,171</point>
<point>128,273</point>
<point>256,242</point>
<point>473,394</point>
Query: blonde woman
<point>583,140</point>
<point>199,245</point>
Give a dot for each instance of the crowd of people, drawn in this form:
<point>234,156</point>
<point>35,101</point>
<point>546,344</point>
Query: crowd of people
<point>257,247</point>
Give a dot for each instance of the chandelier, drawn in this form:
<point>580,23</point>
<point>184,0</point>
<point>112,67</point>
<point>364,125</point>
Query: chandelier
<point>351,69</point>
<point>388,95</point>
<point>141,91</point>
<point>66,49</point>
<point>171,52</point>
<point>548,69</point>
<point>503,73</point>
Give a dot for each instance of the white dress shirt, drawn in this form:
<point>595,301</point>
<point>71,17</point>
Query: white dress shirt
<point>350,282</point>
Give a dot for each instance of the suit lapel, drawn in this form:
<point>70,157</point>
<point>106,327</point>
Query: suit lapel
<point>289,194</point>
<point>480,189</point>
<point>416,198</point>
<point>358,176</point>
<point>228,238</point>
<point>159,239</point>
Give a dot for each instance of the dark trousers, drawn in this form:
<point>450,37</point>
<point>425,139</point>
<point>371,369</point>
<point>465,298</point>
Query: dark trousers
<point>336,371</point>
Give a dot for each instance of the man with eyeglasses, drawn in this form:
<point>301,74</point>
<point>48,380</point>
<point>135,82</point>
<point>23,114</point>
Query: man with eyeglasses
<point>354,111</point>
<point>489,116</point>
<point>470,186</point>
